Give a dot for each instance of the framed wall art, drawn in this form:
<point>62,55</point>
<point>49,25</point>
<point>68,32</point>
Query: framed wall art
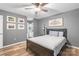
<point>21,26</point>
<point>11,19</point>
<point>11,26</point>
<point>21,20</point>
<point>56,22</point>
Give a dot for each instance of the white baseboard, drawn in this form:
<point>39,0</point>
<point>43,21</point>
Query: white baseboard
<point>25,41</point>
<point>73,46</point>
<point>13,44</point>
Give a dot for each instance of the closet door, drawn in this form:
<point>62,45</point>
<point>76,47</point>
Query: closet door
<point>1,31</point>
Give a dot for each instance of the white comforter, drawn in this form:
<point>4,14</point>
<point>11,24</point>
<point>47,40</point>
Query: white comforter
<point>50,42</point>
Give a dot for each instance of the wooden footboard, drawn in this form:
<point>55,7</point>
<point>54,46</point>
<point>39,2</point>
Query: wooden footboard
<point>39,50</point>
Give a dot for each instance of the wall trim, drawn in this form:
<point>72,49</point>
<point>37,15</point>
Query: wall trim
<point>73,46</point>
<point>13,44</point>
<point>25,41</point>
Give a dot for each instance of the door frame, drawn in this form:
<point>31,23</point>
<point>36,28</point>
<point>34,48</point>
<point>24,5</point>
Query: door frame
<point>1,38</point>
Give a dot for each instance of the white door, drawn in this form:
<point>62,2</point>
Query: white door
<point>1,31</point>
<point>30,30</point>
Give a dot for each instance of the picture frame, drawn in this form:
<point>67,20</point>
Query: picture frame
<point>56,22</point>
<point>11,26</point>
<point>11,19</point>
<point>21,26</point>
<point>21,20</point>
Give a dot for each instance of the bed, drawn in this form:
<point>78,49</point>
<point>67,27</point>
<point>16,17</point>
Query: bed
<point>47,45</point>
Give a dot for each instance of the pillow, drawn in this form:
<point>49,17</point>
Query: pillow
<point>53,33</point>
<point>60,34</point>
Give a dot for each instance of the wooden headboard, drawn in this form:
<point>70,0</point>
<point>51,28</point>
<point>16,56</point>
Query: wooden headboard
<point>57,29</point>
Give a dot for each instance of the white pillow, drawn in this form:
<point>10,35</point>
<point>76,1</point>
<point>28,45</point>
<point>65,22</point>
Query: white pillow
<point>60,34</point>
<point>53,33</point>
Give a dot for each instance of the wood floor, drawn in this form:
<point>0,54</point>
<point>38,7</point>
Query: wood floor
<point>20,50</point>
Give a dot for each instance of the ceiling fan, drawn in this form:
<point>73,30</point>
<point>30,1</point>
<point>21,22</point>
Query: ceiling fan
<point>37,7</point>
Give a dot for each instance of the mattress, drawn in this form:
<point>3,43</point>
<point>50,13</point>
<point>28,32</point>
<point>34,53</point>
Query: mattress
<point>50,42</point>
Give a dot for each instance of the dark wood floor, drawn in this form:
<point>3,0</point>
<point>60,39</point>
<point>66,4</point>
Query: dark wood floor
<point>20,50</point>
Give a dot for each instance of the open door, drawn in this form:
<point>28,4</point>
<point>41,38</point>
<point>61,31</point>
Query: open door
<point>30,32</point>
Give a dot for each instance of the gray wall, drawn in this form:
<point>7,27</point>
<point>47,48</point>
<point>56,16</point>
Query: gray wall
<point>12,36</point>
<point>71,22</point>
<point>35,28</point>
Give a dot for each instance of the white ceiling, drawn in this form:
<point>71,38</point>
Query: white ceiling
<point>53,8</point>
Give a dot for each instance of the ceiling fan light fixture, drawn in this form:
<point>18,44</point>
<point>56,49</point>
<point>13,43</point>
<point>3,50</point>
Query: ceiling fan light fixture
<point>37,9</point>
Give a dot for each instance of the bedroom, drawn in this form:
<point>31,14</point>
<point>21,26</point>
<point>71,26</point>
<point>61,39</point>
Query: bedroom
<point>23,22</point>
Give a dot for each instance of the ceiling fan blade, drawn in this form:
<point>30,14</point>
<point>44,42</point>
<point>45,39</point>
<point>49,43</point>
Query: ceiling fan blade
<point>36,4</point>
<point>28,8</point>
<point>43,4</point>
<point>44,10</point>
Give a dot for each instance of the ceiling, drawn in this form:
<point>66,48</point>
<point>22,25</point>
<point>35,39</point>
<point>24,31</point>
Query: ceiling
<point>53,8</point>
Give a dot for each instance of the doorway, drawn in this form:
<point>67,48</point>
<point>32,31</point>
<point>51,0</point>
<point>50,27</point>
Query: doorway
<point>30,32</point>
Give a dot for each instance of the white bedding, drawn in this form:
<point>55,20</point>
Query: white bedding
<point>50,42</point>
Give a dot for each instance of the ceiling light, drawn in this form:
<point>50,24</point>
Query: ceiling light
<point>37,9</point>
